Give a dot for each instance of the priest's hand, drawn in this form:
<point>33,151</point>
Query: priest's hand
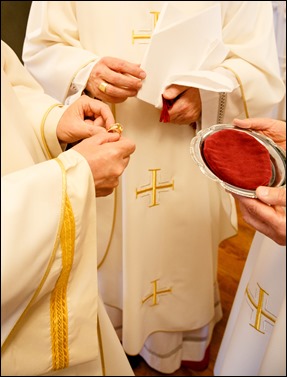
<point>107,154</point>
<point>186,108</point>
<point>272,128</point>
<point>114,80</point>
<point>84,118</point>
<point>267,214</point>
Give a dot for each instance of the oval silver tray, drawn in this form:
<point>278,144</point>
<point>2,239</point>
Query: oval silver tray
<point>277,158</point>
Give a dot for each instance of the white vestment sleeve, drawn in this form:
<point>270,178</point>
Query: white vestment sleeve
<point>79,83</point>
<point>49,280</point>
<point>56,84</point>
<point>30,196</point>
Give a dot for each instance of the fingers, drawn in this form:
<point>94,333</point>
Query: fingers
<point>265,125</point>
<point>174,91</point>
<point>114,80</point>
<point>114,84</point>
<point>95,109</point>
<point>258,124</point>
<point>104,191</point>
<point>114,93</point>
<point>272,128</point>
<point>107,155</point>
<point>269,220</point>
<point>122,146</point>
<point>105,137</point>
<point>94,117</point>
<point>272,195</point>
<point>124,67</point>
<point>187,107</point>
<point>125,145</point>
<point>255,213</point>
<point>129,146</point>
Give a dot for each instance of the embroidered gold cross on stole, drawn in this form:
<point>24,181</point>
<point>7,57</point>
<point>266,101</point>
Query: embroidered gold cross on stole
<point>155,292</point>
<point>145,34</point>
<point>262,313</point>
<point>154,187</point>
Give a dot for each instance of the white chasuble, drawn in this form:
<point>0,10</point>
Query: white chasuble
<point>254,341</point>
<point>158,236</point>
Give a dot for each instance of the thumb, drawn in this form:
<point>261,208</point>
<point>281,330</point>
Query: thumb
<point>106,137</point>
<point>272,195</point>
<point>88,128</point>
<point>173,91</point>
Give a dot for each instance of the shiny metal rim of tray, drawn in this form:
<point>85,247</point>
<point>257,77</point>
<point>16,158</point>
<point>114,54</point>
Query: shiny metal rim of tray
<point>277,158</point>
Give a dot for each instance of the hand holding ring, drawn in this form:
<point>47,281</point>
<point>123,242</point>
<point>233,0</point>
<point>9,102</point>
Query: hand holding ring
<point>116,127</point>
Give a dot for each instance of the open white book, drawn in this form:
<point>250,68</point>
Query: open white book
<point>185,51</point>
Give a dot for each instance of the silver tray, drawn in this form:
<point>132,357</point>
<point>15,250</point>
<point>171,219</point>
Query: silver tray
<point>277,158</point>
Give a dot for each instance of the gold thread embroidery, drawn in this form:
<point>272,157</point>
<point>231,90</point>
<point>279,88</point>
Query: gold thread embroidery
<point>241,90</point>
<point>38,290</point>
<point>142,35</point>
<point>47,150</point>
<point>154,187</point>
<point>58,303</point>
<point>155,16</point>
<point>260,312</point>
<point>155,292</point>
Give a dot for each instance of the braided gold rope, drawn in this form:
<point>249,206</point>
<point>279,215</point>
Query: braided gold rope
<point>48,152</point>
<point>58,302</point>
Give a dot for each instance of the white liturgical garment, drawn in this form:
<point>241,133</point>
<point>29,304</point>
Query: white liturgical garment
<point>159,235</point>
<point>254,342</point>
<point>52,319</point>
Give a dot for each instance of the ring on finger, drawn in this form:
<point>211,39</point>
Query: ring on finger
<point>116,127</point>
<point>103,86</point>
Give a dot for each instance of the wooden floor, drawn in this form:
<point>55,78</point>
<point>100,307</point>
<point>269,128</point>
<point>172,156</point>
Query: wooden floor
<point>232,256</point>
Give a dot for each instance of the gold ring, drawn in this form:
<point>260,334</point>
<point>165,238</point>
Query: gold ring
<point>116,127</point>
<point>103,87</point>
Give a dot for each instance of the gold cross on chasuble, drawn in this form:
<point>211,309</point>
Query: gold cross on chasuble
<point>145,34</point>
<point>154,187</point>
<point>155,293</point>
<point>262,313</point>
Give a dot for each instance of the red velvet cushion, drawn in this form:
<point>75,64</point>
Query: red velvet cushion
<point>238,158</point>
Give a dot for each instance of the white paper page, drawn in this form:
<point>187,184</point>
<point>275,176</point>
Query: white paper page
<point>205,80</point>
<point>184,47</point>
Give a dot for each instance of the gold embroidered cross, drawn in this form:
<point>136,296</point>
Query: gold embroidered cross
<point>154,187</point>
<point>155,292</point>
<point>260,310</point>
<point>141,35</point>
